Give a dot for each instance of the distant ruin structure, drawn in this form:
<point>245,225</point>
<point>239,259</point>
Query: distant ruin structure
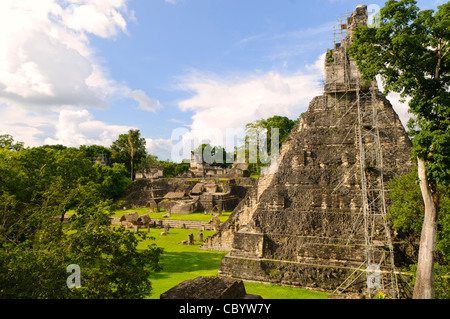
<point>200,168</point>
<point>320,220</point>
<point>102,159</point>
<point>150,173</point>
<point>187,195</point>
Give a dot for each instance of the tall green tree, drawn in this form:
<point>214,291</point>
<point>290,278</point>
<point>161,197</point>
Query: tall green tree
<point>259,134</point>
<point>214,155</point>
<point>410,49</point>
<point>38,186</point>
<point>129,149</point>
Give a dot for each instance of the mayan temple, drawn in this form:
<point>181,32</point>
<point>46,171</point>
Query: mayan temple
<point>320,220</point>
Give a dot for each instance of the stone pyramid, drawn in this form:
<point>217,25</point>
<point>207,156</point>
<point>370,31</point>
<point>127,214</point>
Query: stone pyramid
<point>303,225</point>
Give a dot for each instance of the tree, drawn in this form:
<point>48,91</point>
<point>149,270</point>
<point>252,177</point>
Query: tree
<point>129,149</point>
<point>410,49</point>
<point>214,155</point>
<point>260,134</point>
<point>7,141</point>
<point>148,161</point>
<point>171,169</point>
<point>93,151</point>
<point>407,215</point>
<point>39,184</point>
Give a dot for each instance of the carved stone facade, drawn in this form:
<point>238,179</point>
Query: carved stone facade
<point>150,173</point>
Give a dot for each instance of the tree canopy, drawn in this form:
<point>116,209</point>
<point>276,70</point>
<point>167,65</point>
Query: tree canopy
<point>38,188</point>
<point>258,140</point>
<point>410,50</point>
<point>129,149</point>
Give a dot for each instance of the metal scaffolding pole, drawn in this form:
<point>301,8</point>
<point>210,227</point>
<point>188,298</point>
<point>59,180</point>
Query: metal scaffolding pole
<point>380,271</point>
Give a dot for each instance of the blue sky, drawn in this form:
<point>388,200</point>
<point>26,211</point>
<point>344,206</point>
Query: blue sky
<point>84,71</point>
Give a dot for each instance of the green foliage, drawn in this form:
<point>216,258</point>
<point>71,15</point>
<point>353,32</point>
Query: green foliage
<point>441,276</point>
<point>171,169</point>
<point>407,214</point>
<point>129,149</point>
<point>407,208</point>
<point>37,187</point>
<point>260,131</point>
<point>111,264</point>
<point>330,58</point>
<point>411,51</point>
<point>282,123</point>
<point>215,155</point>
<point>407,211</point>
<point>147,162</point>
<point>7,141</point>
<point>380,295</point>
<point>111,181</point>
<point>93,151</point>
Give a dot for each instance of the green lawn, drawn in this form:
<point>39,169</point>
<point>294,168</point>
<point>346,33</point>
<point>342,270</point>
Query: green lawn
<point>182,262</point>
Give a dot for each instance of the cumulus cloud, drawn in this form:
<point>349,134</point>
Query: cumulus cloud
<point>225,103</point>
<point>78,127</point>
<point>160,147</point>
<point>47,63</point>
<point>25,125</point>
<point>144,102</point>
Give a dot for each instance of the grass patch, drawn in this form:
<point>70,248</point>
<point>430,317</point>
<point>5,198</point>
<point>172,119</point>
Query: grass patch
<point>182,262</point>
<point>282,292</point>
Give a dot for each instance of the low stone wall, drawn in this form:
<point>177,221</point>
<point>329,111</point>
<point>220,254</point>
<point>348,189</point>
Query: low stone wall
<point>312,276</point>
<point>185,224</point>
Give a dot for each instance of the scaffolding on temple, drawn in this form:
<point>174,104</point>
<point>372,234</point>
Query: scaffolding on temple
<point>349,92</point>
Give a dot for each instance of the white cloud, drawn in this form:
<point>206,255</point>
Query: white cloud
<point>401,108</point>
<point>78,127</point>
<point>100,17</point>
<point>221,103</point>
<point>24,125</point>
<point>47,64</point>
<point>160,147</point>
<point>144,102</point>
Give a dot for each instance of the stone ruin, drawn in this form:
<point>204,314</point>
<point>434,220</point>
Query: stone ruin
<point>150,173</point>
<point>186,195</point>
<point>200,168</point>
<point>133,220</point>
<point>210,287</point>
<point>301,226</point>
